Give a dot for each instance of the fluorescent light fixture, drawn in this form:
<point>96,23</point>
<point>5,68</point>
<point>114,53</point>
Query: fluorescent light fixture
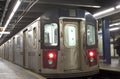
<point>117,7</point>
<point>4,32</point>
<point>103,12</point>
<point>113,29</point>
<point>114,24</point>
<point>12,14</point>
<point>96,6</point>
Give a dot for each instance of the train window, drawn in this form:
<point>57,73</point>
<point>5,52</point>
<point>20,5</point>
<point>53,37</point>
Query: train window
<point>10,44</point>
<point>34,38</point>
<point>30,38</point>
<point>18,42</point>
<point>70,35</point>
<point>51,34</point>
<point>90,35</point>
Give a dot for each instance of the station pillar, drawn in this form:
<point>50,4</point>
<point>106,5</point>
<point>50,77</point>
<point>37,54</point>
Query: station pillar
<point>106,40</point>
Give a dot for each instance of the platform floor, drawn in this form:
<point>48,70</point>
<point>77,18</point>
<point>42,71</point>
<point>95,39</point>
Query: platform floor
<point>114,66</point>
<point>12,71</point>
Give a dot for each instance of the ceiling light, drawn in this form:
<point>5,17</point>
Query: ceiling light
<point>114,24</point>
<point>96,6</point>
<point>117,7</point>
<point>113,29</point>
<point>103,12</point>
<point>11,15</point>
<point>4,32</point>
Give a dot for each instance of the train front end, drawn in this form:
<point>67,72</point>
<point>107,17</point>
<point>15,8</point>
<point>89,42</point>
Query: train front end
<point>69,44</point>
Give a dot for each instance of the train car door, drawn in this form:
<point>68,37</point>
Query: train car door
<point>7,50</point>
<point>71,44</point>
<point>10,50</point>
<point>3,51</point>
<point>29,47</point>
<point>25,53</point>
<point>34,51</point>
<point>13,48</point>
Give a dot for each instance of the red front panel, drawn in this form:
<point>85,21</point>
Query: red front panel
<point>50,59</point>
<point>92,57</point>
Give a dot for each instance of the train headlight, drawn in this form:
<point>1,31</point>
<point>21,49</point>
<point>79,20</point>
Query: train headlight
<point>50,61</point>
<point>50,58</point>
<point>51,55</point>
<point>92,57</point>
<point>91,53</point>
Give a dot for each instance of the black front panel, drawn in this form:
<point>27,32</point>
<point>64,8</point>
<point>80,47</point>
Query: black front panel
<point>91,31</point>
<point>48,21</point>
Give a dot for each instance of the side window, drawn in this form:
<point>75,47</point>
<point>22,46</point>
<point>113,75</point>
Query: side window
<point>70,35</point>
<point>29,38</point>
<point>34,38</point>
<point>10,44</point>
<point>51,34</point>
<point>18,42</point>
<point>90,35</point>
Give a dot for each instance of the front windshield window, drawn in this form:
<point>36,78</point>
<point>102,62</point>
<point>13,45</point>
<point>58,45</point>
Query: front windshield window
<point>51,34</point>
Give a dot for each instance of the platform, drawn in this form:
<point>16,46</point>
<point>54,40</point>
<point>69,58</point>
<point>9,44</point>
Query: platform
<point>114,66</point>
<point>12,71</point>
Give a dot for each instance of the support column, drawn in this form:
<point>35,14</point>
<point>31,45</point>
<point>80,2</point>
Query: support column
<point>106,40</point>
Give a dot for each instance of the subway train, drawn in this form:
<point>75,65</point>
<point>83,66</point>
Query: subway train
<point>60,43</point>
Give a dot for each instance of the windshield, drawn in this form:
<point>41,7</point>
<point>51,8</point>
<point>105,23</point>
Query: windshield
<point>51,34</point>
<point>90,35</point>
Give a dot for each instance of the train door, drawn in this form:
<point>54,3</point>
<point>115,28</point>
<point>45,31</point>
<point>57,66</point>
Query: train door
<point>10,50</point>
<point>34,56</point>
<point>29,48</point>
<point>71,44</point>
<point>25,53</point>
<point>4,51</point>
<point>7,50</point>
<point>13,48</point>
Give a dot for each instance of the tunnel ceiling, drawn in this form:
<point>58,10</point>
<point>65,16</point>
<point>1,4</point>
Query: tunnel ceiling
<point>2,7</point>
<point>29,10</point>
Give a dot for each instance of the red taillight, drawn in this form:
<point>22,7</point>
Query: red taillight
<point>50,59</point>
<point>51,55</point>
<point>92,57</point>
<point>91,53</point>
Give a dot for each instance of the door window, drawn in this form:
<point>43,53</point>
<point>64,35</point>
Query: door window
<point>70,35</point>
<point>18,41</point>
<point>34,38</point>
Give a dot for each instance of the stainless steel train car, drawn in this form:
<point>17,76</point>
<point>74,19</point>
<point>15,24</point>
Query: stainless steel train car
<point>60,43</point>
